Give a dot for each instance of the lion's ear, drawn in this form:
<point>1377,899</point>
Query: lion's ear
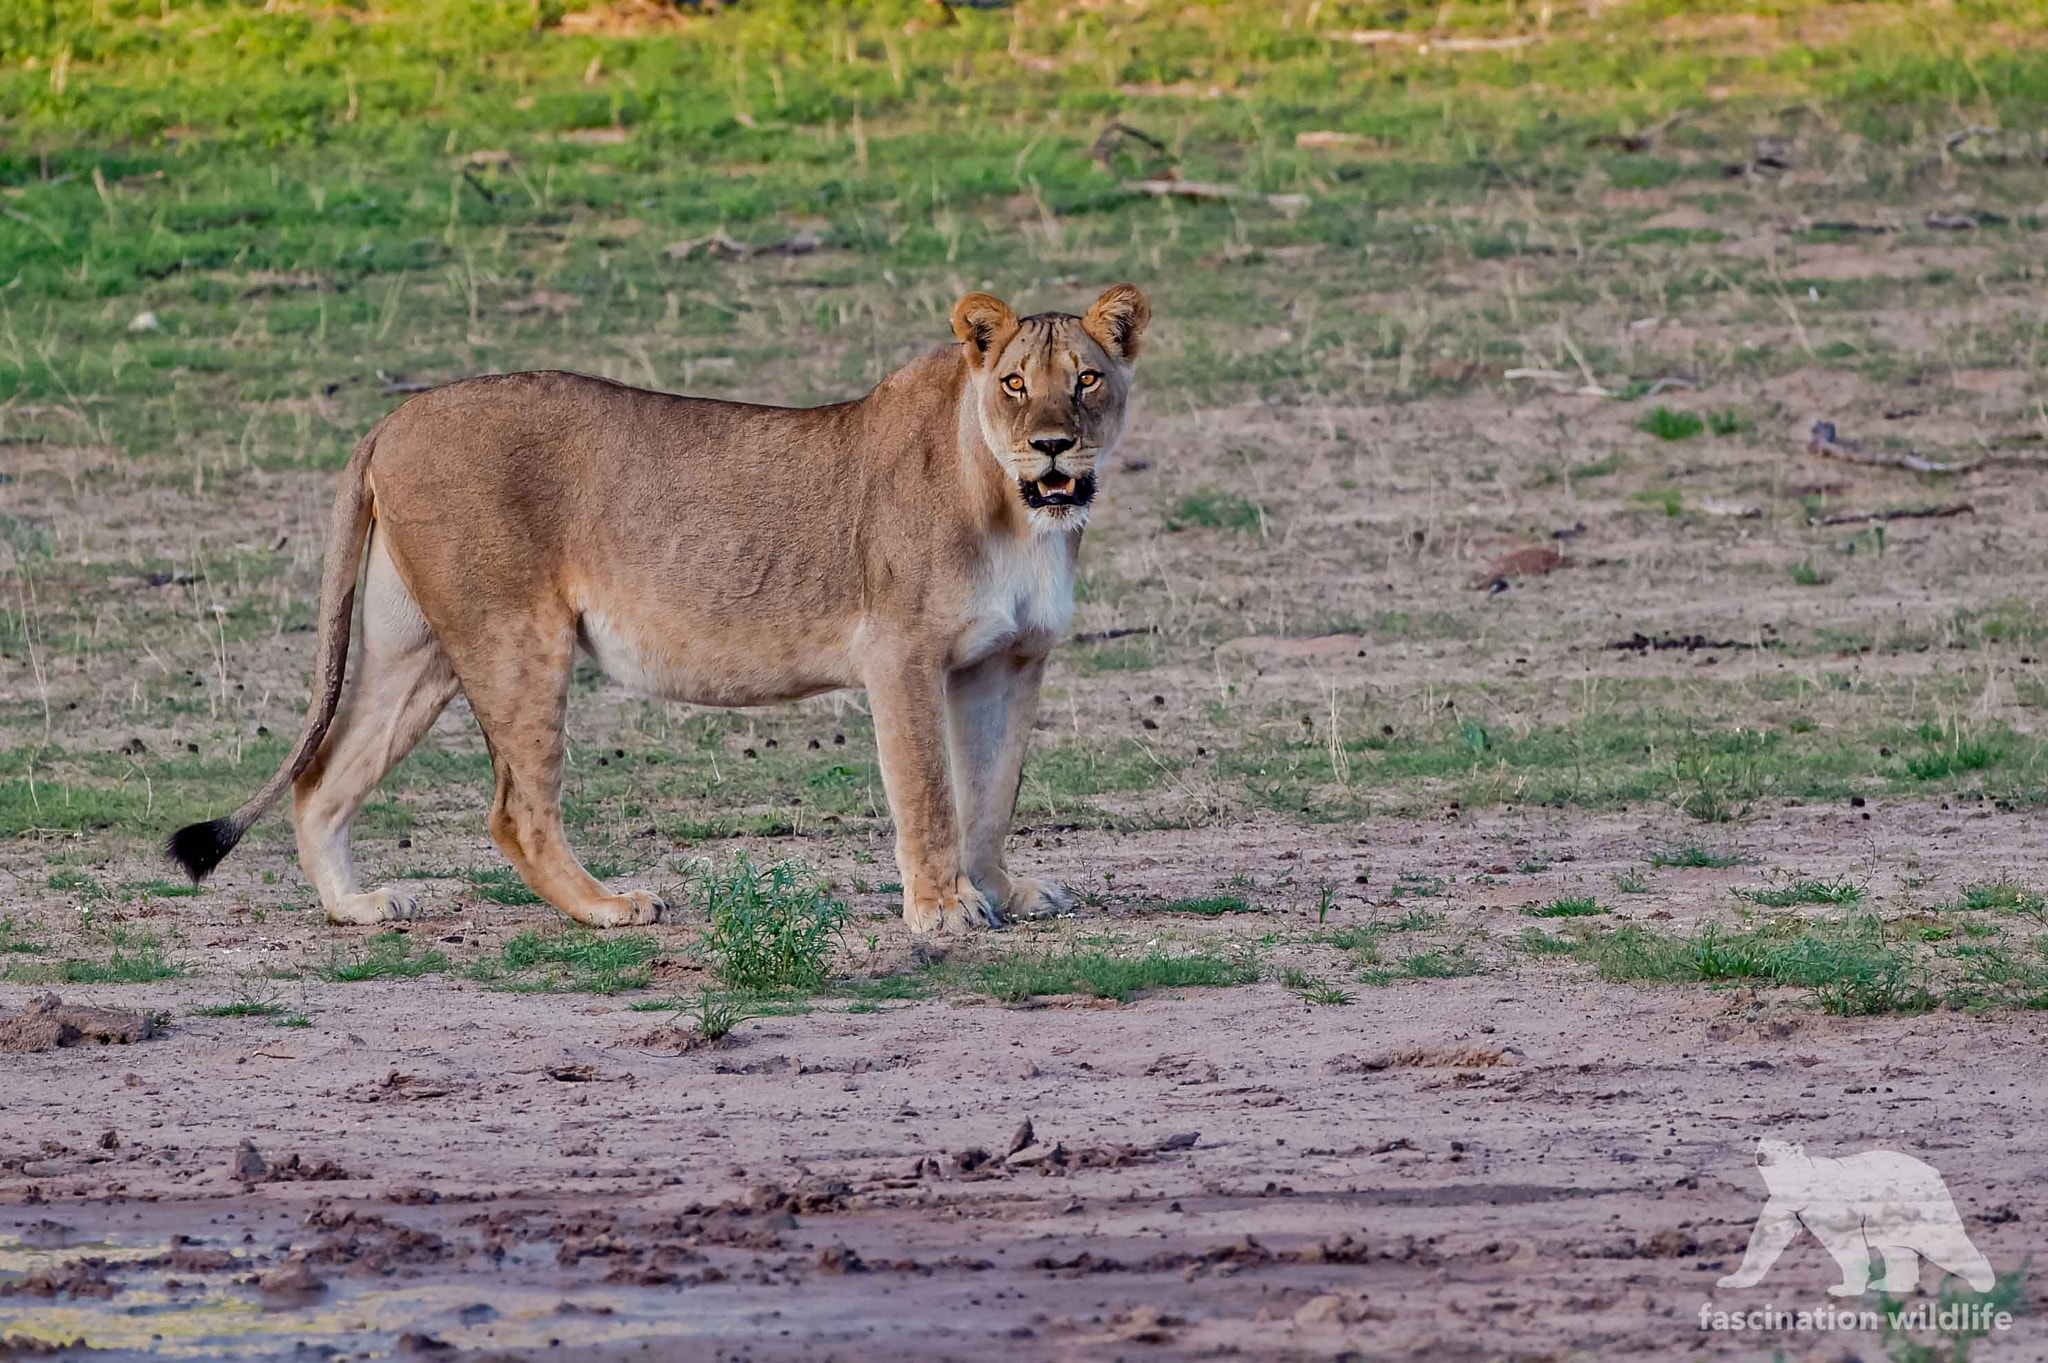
<point>982,322</point>
<point>1118,320</point>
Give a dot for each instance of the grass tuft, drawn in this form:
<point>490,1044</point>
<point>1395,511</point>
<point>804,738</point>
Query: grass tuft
<point>386,956</point>
<point>772,928</point>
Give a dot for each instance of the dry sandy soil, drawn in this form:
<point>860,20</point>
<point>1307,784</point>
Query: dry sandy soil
<point>1522,1160</point>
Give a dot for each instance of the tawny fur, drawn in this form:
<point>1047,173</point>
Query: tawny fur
<point>919,542</point>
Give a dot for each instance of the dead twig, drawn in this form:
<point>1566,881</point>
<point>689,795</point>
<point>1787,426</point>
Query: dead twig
<point>1907,514</point>
<point>1196,189</point>
<point>1957,139</point>
<point>1825,443</point>
<point>1967,220</point>
<point>723,246</point>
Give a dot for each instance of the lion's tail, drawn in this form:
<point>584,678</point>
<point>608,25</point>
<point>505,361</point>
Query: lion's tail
<point>199,847</point>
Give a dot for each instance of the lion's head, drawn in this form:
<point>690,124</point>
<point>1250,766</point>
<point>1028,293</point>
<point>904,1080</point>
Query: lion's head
<point>1050,390</point>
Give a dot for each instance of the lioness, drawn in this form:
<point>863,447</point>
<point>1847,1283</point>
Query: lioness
<point>919,542</point>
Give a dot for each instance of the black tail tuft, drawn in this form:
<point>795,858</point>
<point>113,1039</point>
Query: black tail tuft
<point>199,847</point>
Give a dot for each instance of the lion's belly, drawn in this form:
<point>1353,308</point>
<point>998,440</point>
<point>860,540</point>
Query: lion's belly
<point>715,667</point>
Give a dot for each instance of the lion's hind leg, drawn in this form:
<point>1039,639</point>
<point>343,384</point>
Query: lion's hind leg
<point>517,680</point>
<point>395,692</point>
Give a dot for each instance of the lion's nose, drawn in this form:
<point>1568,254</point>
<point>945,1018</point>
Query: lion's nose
<point>1052,445</point>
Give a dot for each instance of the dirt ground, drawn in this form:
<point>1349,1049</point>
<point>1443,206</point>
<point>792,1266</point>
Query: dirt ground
<point>1512,1159</point>
<point>1514,1164</point>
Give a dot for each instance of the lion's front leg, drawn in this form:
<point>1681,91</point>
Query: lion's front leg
<point>989,709</point>
<point>908,697</point>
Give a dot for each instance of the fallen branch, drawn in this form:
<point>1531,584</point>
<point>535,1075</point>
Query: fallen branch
<point>1968,220</point>
<point>1825,443</point>
<point>723,246</point>
<point>1957,139</point>
<point>1672,381</point>
<point>1196,189</point>
<point>1908,514</point>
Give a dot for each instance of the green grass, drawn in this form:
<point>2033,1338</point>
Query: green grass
<point>1667,424</point>
<point>1217,511</point>
<point>142,962</point>
<point>1840,890</point>
<point>386,956</point>
<point>1569,906</point>
<point>1315,989</point>
<point>770,928</point>
<point>574,961</point>
<point>14,939</point>
<point>1206,906</point>
<point>2003,896</point>
<point>1103,974</point>
<point>1804,574</point>
<point>242,1008</point>
<point>1848,967</point>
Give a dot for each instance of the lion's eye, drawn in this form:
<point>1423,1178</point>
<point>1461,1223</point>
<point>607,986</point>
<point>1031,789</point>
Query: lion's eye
<point>1014,384</point>
<point>1089,378</point>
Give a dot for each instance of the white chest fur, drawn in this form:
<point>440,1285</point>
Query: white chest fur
<point>1023,596</point>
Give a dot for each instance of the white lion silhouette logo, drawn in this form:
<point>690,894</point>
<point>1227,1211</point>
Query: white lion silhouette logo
<point>1879,1200</point>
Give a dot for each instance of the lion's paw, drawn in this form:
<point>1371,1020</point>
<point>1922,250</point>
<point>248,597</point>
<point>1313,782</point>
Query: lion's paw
<point>960,908</point>
<point>379,906</point>
<point>632,909</point>
<point>1031,898</point>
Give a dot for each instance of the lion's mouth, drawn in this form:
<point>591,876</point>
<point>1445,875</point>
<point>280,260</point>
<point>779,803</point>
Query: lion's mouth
<point>1057,489</point>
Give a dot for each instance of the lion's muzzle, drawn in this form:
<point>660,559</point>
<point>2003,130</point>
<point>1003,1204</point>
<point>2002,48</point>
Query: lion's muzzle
<point>1054,488</point>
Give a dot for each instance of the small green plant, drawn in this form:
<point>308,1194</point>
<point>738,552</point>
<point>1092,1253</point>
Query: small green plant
<point>1449,964</point>
<point>1804,574</point>
<point>1209,906</point>
<point>576,960</point>
<point>1838,891</point>
<point>240,1008</point>
<point>13,940</point>
<point>717,1014</point>
<point>1952,754</point>
<point>140,961</point>
<point>77,883</point>
<point>1537,942</point>
<point>1315,989</point>
<point>1632,881</point>
<point>1666,424</point>
<point>1103,975</point>
<point>2003,896</point>
<point>1216,511</point>
<point>772,928</point>
<point>295,1020</point>
<point>1725,423</point>
<point>386,956</point>
<point>1569,906</point>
